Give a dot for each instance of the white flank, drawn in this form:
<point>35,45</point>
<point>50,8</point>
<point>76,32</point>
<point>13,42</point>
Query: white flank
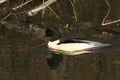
<point>75,48</point>
<point>69,47</point>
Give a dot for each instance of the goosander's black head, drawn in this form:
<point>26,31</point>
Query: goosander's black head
<point>53,33</point>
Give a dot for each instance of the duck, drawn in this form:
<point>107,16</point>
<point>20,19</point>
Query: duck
<point>73,46</point>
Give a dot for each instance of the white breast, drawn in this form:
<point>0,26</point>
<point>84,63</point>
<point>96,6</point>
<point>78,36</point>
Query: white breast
<point>53,44</point>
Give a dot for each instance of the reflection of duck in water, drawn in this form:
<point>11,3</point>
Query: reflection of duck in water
<point>72,46</point>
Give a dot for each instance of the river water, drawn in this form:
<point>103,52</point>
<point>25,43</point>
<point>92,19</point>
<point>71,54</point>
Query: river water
<point>21,58</point>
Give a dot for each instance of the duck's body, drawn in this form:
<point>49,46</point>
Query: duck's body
<point>73,46</point>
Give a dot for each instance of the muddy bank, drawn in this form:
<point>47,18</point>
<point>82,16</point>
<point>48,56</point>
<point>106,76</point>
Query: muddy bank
<point>82,14</point>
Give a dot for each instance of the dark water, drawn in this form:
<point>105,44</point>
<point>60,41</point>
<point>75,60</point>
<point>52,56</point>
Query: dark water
<point>21,58</point>
<point>102,64</point>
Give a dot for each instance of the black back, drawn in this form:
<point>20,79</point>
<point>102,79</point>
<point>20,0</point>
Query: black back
<point>74,40</point>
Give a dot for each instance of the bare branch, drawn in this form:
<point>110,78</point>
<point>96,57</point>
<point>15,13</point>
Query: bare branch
<point>109,8</point>
<point>41,7</point>
<point>7,16</point>
<point>74,1</point>
<point>53,11</point>
<point>2,1</point>
<point>43,11</point>
<point>14,14</point>
<point>21,5</point>
<point>111,22</point>
<point>75,14</point>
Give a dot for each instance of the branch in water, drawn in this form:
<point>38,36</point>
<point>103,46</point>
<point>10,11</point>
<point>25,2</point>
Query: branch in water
<point>41,7</point>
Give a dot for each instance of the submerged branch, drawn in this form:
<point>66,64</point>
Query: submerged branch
<point>41,7</point>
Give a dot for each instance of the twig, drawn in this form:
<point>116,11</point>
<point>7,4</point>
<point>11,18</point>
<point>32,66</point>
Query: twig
<point>43,11</point>
<point>53,11</point>
<point>41,7</point>
<point>7,16</point>
<point>111,22</point>
<point>73,1</point>
<point>2,1</point>
<point>21,5</point>
<point>14,14</point>
<point>75,14</point>
<point>109,8</point>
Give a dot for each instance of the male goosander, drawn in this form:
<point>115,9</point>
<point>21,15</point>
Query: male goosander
<point>72,46</point>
